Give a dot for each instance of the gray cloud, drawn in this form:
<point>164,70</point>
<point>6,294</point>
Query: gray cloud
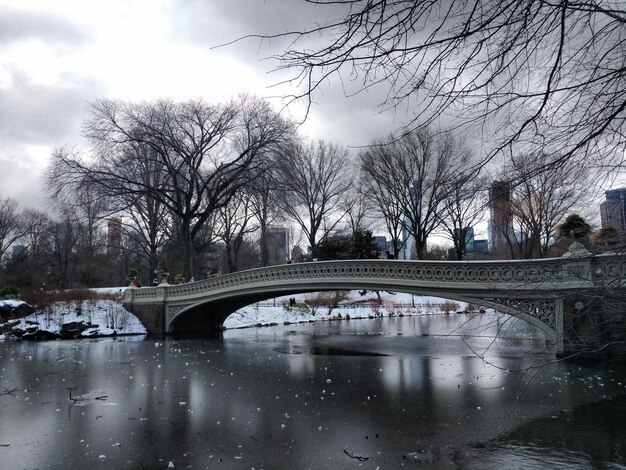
<point>353,121</point>
<point>346,121</point>
<point>37,114</point>
<point>18,25</point>
<point>48,117</point>
<point>35,119</point>
<point>20,175</point>
<point>214,23</point>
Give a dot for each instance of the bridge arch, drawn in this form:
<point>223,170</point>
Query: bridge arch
<point>217,310</point>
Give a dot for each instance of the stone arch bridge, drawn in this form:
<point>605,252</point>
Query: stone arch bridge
<point>565,297</point>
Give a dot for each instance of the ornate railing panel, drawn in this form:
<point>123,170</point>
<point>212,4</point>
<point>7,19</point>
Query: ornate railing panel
<point>549,275</point>
<point>543,310</point>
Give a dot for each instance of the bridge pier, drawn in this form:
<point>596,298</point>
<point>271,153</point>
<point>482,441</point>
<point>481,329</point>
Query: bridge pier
<point>154,319</point>
<point>152,316</point>
<point>160,316</point>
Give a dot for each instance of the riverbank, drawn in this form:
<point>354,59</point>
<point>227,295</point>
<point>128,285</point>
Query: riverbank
<point>305,308</point>
<point>71,319</point>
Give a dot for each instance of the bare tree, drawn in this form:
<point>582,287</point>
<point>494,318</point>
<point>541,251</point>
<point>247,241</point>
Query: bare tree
<point>36,238</point>
<point>147,220</point>
<point>312,180</point>
<point>415,172</point>
<point>548,76</point>
<point>12,227</point>
<point>31,266</point>
<point>68,249</point>
<point>235,225</point>
<point>383,193</point>
<point>206,152</point>
<point>463,207</point>
<point>28,230</point>
<point>540,202</point>
<point>83,208</point>
<point>64,258</point>
<point>359,209</point>
<point>264,202</point>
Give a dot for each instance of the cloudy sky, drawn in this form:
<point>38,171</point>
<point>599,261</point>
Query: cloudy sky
<point>57,56</point>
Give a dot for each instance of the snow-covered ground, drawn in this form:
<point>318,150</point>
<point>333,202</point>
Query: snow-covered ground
<point>354,306</point>
<point>105,317</point>
<point>11,303</point>
<point>101,317</point>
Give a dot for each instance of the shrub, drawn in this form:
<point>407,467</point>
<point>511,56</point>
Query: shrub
<point>46,298</point>
<point>301,308</point>
<point>329,300</point>
<point>449,306</point>
<point>8,292</point>
<point>428,306</point>
<point>376,306</point>
<point>471,308</point>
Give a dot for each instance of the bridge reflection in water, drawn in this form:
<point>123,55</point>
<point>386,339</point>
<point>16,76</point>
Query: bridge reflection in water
<point>575,300</point>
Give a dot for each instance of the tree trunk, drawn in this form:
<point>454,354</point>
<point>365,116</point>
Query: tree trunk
<point>153,263</point>
<point>230,262</point>
<point>188,263</point>
<point>263,247</point>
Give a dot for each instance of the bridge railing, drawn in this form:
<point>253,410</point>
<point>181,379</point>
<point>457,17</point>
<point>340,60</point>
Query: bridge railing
<point>480,276</point>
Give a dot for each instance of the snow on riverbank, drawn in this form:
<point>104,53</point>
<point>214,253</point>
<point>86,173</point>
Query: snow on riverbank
<point>106,317</point>
<point>87,318</point>
<point>353,306</point>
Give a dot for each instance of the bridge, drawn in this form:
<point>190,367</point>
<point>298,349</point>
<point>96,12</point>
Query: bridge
<point>576,300</point>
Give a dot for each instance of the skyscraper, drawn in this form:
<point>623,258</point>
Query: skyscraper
<point>613,210</point>
<point>468,246</point>
<point>415,193</point>
<point>501,215</point>
<point>277,239</point>
<point>114,235</point>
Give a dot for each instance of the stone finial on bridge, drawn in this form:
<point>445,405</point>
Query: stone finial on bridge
<point>576,250</point>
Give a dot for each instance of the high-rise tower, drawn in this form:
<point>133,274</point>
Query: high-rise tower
<point>114,235</point>
<point>277,239</point>
<point>613,210</point>
<point>501,215</point>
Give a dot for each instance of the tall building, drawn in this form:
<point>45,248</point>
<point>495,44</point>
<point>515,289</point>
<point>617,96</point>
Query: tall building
<point>501,215</point>
<point>613,210</point>
<point>381,243</point>
<point>415,193</point>
<point>481,246</point>
<point>407,246</point>
<point>17,251</point>
<point>468,250</point>
<point>277,239</point>
<point>114,234</point>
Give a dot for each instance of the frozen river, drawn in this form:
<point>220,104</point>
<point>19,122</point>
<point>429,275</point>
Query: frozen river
<point>426,391</point>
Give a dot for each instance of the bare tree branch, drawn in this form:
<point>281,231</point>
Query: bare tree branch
<point>536,75</point>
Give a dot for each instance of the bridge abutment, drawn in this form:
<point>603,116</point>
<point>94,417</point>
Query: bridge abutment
<point>594,326</point>
<point>152,316</point>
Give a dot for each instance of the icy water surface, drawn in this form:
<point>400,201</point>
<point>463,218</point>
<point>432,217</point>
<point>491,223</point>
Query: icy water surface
<point>411,392</point>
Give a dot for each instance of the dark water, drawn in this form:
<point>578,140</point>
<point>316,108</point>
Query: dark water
<point>411,392</point>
